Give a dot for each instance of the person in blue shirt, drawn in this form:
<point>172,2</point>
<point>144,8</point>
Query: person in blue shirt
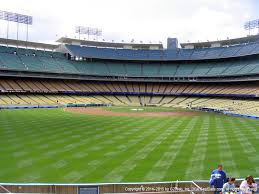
<point>218,179</point>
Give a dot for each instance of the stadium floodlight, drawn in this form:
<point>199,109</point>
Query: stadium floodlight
<point>17,18</point>
<point>251,25</point>
<point>92,31</point>
<point>89,31</point>
<point>82,30</point>
<point>99,32</point>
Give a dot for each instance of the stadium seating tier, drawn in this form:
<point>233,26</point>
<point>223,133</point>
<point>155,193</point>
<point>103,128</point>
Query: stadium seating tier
<point>54,62</point>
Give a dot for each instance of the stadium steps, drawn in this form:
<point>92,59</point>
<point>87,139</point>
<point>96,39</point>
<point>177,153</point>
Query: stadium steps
<point>217,69</point>
<point>109,87</point>
<point>74,86</point>
<point>36,100</point>
<point>31,63</point>
<point>113,100</point>
<point>102,99</point>
<point>122,102</point>
<point>66,66</point>
<point>176,101</point>
<point>43,99</point>
<point>32,86</point>
<point>122,87</point>
<point>16,99</point>
<point>8,100</point>
<point>155,99</point>
<point>6,85</point>
<point>2,101</point>
<point>184,70</point>
<point>116,87</point>
<point>124,99</point>
<point>167,100</point>
<point>134,100</point>
<point>155,88</point>
<point>79,99</point>
<point>201,69</point>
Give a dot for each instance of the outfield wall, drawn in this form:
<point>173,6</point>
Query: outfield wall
<point>241,115</point>
<point>28,106</point>
<point>50,106</point>
<point>159,187</point>
<point>97,105</point>
<point>190,187</point>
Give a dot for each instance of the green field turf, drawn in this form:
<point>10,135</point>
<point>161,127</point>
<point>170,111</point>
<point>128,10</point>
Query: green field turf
<point>50,145</point>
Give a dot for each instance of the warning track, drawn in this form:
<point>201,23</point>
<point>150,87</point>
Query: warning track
<point>103,112</point>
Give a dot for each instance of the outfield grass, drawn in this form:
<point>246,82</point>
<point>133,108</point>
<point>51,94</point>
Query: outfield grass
<point>50,145</point>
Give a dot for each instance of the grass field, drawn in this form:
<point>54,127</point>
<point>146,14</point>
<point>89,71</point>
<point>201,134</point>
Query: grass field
<point>50,145</point>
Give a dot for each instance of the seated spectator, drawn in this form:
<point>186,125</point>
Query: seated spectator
<point>229,187</point>
<point>248,186</point>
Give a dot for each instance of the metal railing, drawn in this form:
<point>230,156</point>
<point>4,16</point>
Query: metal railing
<point>188,187</point>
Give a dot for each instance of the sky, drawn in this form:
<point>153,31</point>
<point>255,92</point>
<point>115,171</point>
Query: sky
<point>141,20</point>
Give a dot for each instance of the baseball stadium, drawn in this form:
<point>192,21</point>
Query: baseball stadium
<point>87,116</point>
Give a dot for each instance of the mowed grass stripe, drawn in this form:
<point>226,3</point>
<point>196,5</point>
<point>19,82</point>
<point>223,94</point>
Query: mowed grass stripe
<point>183,154</point>
<point>125,147</point>
<point>239,151</point>
<point>175,143</point>
<point>148,166</point>
<point>249,132</point>
<point>249,146</point>
<point>195,167</point>
<point>52,154</point>
<point>212,157</point>
<point>50,145</point>
<point>92,161</point>
<point>226,153</point>
<point>71,171</point>
<point>134,156</point>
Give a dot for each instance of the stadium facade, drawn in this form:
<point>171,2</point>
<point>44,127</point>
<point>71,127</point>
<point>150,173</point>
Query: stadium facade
<point>218,76</point>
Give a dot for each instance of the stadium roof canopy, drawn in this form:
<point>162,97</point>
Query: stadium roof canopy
<point>22,43</point>
<point>73,41</point>
<point>221,43</point>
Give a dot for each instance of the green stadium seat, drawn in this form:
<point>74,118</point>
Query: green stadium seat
<point>33,63</point>
<point>168,70</point>
<point>133,69</point>
<point>151,70</point>
<point>11,61</point>
<point>116,69</point>
<point>185,70</point>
